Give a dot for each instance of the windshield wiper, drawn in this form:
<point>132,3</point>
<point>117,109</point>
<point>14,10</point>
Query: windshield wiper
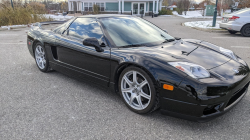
<point>132,45</point>
<point>168,40</point>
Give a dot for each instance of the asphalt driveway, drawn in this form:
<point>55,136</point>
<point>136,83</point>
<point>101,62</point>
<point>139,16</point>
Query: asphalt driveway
<point>36,105</point>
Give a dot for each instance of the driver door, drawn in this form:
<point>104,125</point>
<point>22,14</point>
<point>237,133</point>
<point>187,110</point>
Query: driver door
<point>84,61</point>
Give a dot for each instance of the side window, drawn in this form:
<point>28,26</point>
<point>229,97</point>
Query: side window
<point>84,28</point>
<point>61,28</point>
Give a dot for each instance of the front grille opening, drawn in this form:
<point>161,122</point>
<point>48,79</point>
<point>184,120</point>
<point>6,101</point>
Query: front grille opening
<point>211,109</point>
<point>237,95</point>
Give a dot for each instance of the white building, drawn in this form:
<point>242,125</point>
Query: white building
<point>137,7</point>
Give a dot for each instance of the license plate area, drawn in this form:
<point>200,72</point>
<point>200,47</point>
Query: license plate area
<point>225,20</point>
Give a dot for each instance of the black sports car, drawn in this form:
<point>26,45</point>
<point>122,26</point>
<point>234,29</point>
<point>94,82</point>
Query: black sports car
<point>150,69</point>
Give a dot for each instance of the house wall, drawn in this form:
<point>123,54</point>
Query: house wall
<point>113,5</point>
<point>127,6</point>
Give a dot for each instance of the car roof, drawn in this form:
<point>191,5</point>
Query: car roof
<point>241,11</point>
<point>106,15</point>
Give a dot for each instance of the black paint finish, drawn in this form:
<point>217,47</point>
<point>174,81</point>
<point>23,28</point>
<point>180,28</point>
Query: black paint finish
<point>199,100</point>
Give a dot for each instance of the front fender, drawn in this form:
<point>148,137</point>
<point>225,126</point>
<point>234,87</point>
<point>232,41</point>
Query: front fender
<point>35,35</point>
<point>158,69</point>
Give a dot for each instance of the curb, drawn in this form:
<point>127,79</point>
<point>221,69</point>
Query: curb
<point>3,29</point>
<point>207,30</point>
<point>13,27</point>
<point>16,27</point>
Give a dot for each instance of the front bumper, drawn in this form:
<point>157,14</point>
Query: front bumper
<point>230,26</point>
<point>217,110</point>
<point>204,108</point>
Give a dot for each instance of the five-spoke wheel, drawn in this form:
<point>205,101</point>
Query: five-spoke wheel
<point>41,58</point>
<point>137,90</point>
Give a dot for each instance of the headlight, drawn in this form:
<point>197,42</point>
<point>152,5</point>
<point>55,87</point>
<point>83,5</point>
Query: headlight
<point>228,53</point>
<point>193,70</point>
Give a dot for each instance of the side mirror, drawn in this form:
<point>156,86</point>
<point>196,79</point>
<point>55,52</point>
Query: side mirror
<point>165,31</point>
<point>93,42</point>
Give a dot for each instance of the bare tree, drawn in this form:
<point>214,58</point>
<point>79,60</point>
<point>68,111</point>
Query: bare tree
<point>242,3</point>
<point>180,7</point>
<point>183,5</point>
<point>64,6</point>
<point>186,4</point>
<point>165,3</point>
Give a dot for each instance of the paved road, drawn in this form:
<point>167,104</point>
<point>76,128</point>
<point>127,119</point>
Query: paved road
<point>35,105</point>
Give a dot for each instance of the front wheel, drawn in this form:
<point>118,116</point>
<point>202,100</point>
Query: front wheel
<point>245,31</point>
<point>41,58</point>
<point>138,91</point>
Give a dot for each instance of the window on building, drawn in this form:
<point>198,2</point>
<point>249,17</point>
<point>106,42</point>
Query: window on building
<point>100,6</point>
<point>88,6</point>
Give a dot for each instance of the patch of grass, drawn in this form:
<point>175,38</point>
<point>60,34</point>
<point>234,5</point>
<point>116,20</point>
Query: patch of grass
<point>165,12</point>
<point>22,13</point>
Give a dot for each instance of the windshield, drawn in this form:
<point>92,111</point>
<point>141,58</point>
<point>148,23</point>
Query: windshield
<point>133,31</point>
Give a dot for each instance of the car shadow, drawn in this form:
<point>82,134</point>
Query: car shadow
<point>227,34</point>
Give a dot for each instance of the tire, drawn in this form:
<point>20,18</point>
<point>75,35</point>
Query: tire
<point>245,31</point>
<point>143,91</point>
<point>232,32</point>
<point>41,58</point>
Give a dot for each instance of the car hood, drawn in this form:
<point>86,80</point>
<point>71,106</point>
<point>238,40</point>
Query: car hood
<point>194,51</point>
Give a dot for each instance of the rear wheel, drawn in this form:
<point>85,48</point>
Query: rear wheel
<point>41,58</point>
<point>232,32</point>
<point>245,31</point>
<point>138,91</point>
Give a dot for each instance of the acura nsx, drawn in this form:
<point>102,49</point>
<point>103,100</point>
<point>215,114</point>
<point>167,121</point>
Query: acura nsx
<point>150,69</point>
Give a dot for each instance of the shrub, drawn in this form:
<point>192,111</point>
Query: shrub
<point>165,12</point>
<point>22,13</point>
<point>179,11</point>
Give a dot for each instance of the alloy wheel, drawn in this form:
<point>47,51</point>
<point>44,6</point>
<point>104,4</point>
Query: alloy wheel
<point>40,57</point>
<point>135,90</point>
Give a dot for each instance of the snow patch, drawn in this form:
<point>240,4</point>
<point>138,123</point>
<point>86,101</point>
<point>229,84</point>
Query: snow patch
<point>203,24</point>
<point>58,17</point>
<point>193,14</point>
<point>14,26</point>
<point>175,13</point>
